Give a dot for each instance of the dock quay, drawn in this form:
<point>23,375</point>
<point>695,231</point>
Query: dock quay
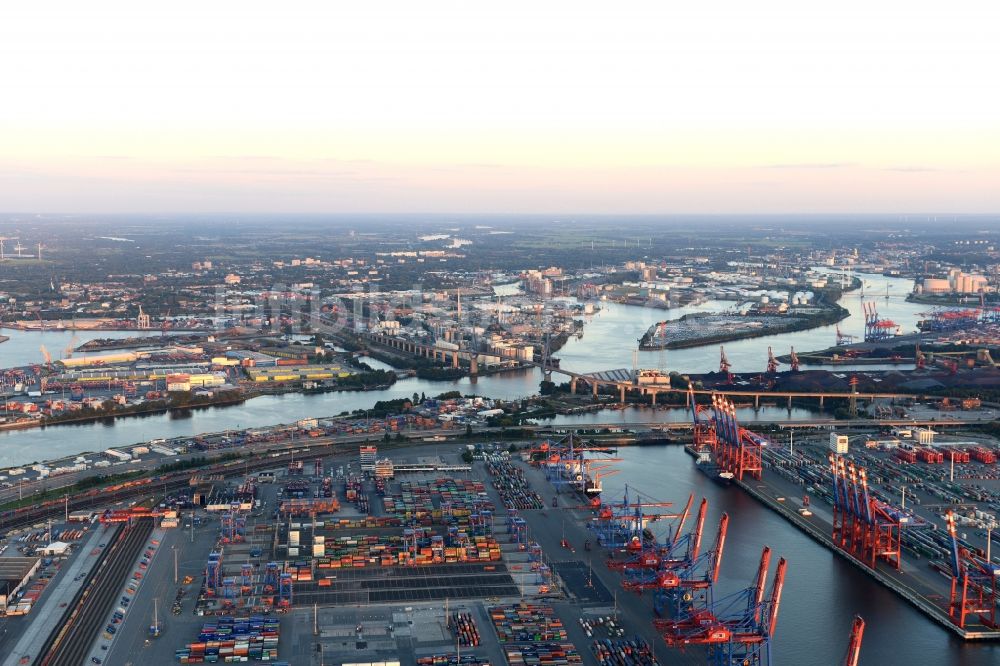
<point>819,530</point>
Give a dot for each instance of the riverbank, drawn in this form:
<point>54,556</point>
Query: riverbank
<point>110,344</point>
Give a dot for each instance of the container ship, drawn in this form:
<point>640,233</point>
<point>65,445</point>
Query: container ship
<point>722,477</point>
<point>592,488</point>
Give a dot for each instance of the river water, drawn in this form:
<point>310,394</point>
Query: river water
<point>609,338</point>
<point>822,592</point>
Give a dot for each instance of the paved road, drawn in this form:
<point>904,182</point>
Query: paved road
<point>547,527</point>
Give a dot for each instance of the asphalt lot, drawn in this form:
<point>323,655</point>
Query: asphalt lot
<point>132,644</point>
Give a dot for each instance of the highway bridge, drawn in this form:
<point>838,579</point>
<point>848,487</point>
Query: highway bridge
<point>621,380</point>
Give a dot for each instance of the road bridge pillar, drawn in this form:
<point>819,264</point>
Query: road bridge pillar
<point>473,365</point>
<point>789,403</point>
<point>454,359</point>
<point>653,393</point>
<point>821,403</point>
<point>756,402</point>
<point>594,386</point>
<point>621,392</point>
<point>572,386</point>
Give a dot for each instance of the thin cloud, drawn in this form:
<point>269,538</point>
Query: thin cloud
<point>244,157</point>
<point>808,165</point>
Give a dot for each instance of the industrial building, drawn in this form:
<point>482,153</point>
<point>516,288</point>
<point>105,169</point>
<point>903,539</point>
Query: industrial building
<point>14,575</point>
<point>297,373</point>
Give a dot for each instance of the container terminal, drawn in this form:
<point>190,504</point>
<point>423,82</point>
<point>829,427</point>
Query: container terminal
<point>337,554</point>
<point>915,513</point>
<point>439,552</point>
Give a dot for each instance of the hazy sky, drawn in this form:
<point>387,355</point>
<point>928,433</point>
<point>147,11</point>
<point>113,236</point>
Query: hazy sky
<point>538,106</point>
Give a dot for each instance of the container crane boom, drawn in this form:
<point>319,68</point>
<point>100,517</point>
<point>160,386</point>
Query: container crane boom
<point>760,581</point>
<point>698,527</point>
<point>776,588</point>
<point>683,518</point>
<point>720,543</point>
<point>854,646</point>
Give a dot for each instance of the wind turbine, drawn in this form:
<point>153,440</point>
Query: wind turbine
<point>2,239</point>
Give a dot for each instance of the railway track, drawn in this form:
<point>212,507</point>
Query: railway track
<point>74,639</point>
<point>172,481</point>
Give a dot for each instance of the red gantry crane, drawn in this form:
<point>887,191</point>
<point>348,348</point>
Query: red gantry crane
<point>772,362</point>
<point>864,526</point>
<point>704,432</point>
<point>793,362</point>
<point>738,451</point>
<point>725,367</point>
<point>973,584</point>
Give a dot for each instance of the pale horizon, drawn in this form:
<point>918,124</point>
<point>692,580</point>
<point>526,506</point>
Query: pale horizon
<point>450,107</point>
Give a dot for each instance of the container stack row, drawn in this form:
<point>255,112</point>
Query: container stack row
<point>511,484</point>
<point>233,640</point>
<point>527,623</point>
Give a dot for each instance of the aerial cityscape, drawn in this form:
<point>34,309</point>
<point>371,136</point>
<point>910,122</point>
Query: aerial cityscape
<point>521,336</point>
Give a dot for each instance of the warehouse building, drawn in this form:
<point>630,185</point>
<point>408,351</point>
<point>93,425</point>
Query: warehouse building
<point>15,572</point>
<point>296,373</point>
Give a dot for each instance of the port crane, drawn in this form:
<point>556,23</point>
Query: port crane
<point>738,450</point>
<point>876,328</point>
<point>793,361</point>
<point>657,569</point>
<point>854,646</point>
<point>772,362</point>
<point>725,367</point>
<point>704,432</point>
<point>864,525</point>
<point>973,583</point>
<point>625,524</point>
<point>737,629</point>
<point>643,552</point>
<point>693,581</point>
<point>844,338</point>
